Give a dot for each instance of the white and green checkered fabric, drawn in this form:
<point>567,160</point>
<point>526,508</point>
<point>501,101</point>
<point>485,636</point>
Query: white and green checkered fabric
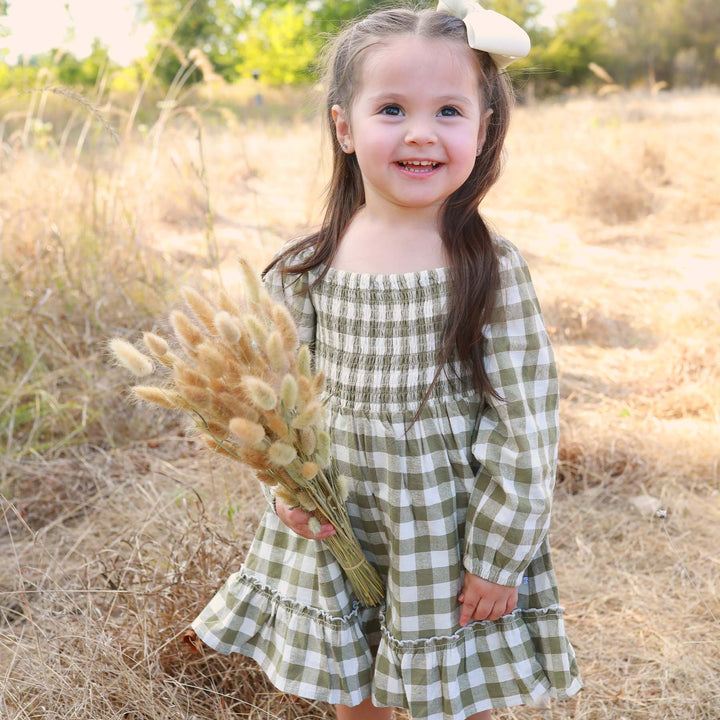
<point>468,486</point>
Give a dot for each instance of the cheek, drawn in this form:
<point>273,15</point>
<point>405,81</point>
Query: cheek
<point>373,144</point>
<point>466,156</point>
<point>465,148</point>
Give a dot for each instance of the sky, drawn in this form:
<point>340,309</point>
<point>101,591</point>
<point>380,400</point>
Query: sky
<point>39,25</point>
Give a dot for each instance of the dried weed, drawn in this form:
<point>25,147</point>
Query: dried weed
<point>107,554</point>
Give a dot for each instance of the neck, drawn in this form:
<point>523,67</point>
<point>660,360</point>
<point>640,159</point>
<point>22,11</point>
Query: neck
<point>399,227</point>
<point>378,243</point>
<point>425,219</point>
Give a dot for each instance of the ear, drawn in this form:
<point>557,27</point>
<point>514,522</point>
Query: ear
<point>482,132</point>
<point>342,128</point>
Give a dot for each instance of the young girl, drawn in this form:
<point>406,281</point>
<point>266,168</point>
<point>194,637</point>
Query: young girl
<point>441,397</point>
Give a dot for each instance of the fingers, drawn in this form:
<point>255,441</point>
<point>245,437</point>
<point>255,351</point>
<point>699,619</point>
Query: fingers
<point>483,600</point>
<point>470,599</point>
<point>484,609</point>
<point>303,522</point>
<point>489,610</point>
<point>466,614</point>
<point>326,530</point>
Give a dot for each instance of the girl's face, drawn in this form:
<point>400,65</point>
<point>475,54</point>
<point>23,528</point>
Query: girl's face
<point>416,122</point>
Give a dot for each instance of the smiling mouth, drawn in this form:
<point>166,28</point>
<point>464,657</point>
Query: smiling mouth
<point>418,166</point>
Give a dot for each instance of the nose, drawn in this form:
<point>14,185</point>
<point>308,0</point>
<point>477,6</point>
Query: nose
<point>420,131</point>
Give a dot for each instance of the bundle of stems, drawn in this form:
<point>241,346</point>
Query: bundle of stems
<point>243,377</point>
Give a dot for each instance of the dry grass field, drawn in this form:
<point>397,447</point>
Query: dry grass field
<point>116,527</point>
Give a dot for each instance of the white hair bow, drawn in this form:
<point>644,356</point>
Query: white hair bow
<point>504,40</point>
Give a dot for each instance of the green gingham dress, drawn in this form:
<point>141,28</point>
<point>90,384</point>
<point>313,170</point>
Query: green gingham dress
<point>467,487</point>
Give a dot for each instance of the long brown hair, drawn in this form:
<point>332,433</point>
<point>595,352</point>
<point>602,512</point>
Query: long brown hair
<point>466,239</point>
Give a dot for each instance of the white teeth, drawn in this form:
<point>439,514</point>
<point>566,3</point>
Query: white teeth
<point>415,165</point>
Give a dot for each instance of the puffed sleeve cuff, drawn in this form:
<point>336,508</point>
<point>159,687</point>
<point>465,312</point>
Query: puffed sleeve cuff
<point>516,438</point>
<point>492,573</point>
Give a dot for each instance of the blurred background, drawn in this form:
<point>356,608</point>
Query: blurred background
<point>575,43</point>
<point>145,145</point>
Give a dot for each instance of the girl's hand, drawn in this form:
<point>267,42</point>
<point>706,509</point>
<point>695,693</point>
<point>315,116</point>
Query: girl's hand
<point>299,521</point>
<point>483,600</point>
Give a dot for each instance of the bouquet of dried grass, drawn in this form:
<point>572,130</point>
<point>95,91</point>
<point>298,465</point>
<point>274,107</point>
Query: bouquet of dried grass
<point>247,383</point>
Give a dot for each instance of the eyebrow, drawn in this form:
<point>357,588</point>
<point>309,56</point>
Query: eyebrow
<point>399,97</point>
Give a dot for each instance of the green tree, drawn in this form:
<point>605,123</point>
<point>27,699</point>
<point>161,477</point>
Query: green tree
<point>4,32</point>
<point>183,25</point>
<point>282,39</point>
<point>648,37</point>
<point>523,12</point>
<point>700,36</point>
<point>582,36</point>
<point>281,45</point>
<point>86,72</point>
<point>330,16</point>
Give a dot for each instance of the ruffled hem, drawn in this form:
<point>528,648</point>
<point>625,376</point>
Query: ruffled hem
<point>523,658</point>
<point>303,651</point>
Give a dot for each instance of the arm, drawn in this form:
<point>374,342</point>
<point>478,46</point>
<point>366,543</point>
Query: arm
<point>516,440</point>
<point>293,291</point>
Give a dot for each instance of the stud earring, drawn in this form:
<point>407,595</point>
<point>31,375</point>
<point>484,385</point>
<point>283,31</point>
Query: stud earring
<point>479,150</point>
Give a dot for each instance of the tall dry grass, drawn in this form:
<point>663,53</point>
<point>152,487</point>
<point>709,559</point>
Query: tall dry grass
<point>116,529</point>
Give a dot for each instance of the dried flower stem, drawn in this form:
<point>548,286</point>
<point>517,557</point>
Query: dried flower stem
<point>248,385</point>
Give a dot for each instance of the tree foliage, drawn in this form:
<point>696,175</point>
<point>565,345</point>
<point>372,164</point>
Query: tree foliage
<point>701,32</point>
<point>654,40</point>
<point>638,42</point>
<point>280,46</point>
<point>635,41</point>
<point>3,29</point>
<point>331,16</point>
<point>523,12</point>
<point>581,38</point>
<point>73,71</point>
<point>183,25</point>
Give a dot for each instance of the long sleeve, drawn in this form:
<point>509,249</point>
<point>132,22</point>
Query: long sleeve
<point>517,435</point>
<point>294,291</point>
